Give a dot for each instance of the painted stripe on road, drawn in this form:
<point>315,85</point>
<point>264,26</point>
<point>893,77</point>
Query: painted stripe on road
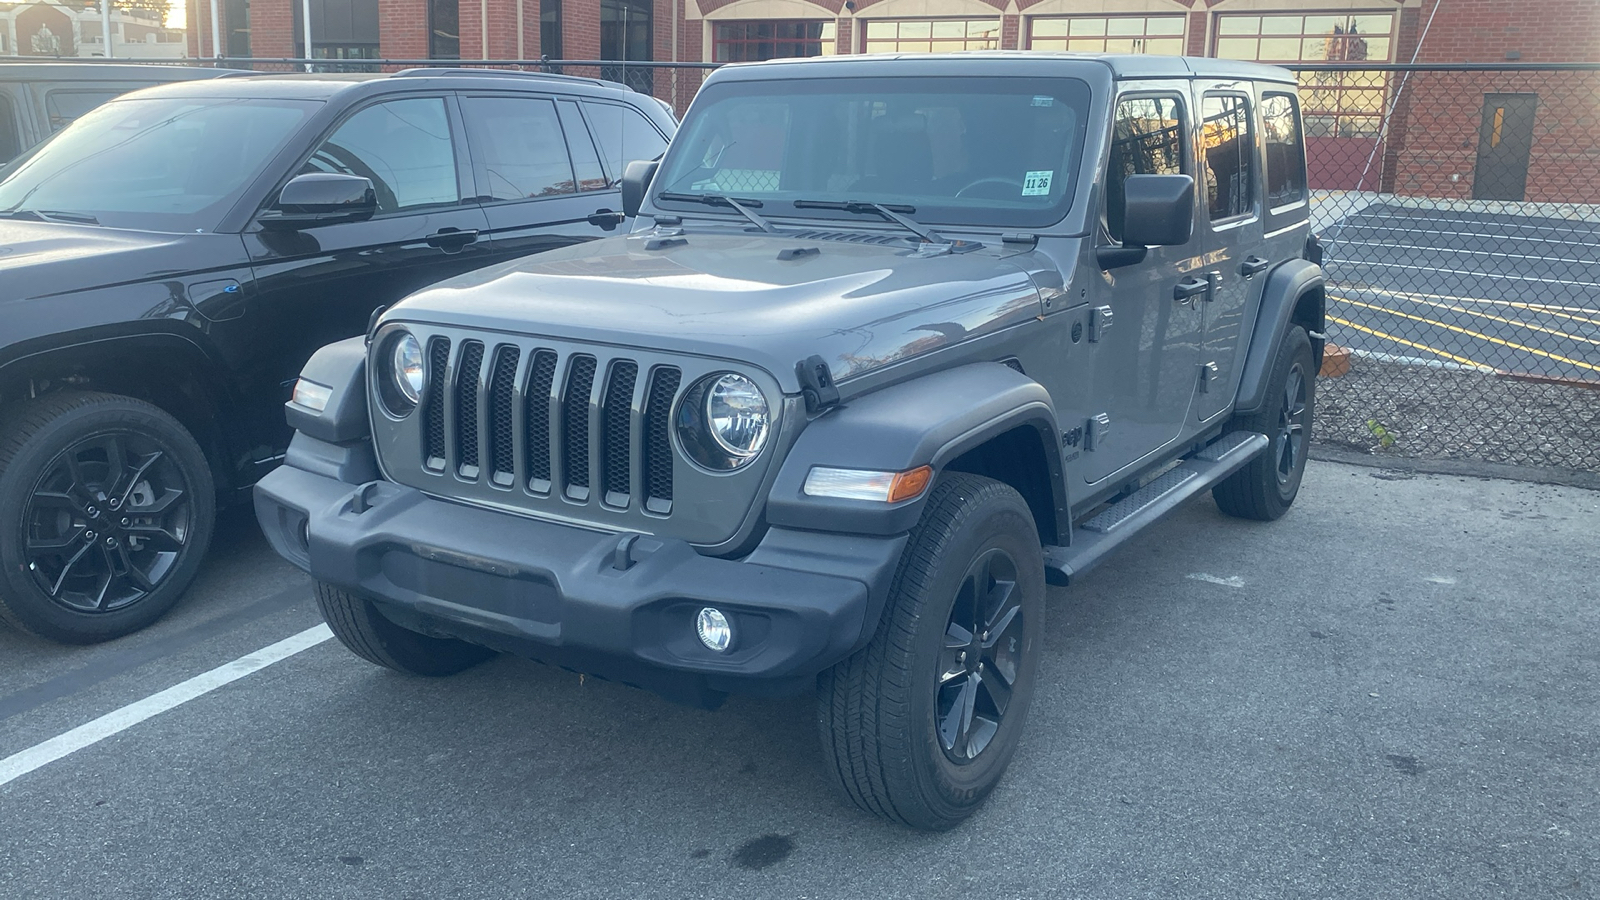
<point>1436,269</point>
<point>1412,344</point>
<point>1490,316</point>
<point>1497,254</point>
<point>1548,309</point>
<point>1475,334</point>
<point>1499,237</point>
<point>120,720</point>
<point>1580,228</point>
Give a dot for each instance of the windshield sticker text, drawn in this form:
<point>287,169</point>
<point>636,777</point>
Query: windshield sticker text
<point>1037,184</point>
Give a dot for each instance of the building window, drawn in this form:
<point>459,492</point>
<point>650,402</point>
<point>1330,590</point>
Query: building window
<point>931,35</point>
<point>1336,104</point>
<point>771,39</point>
<point>1109,34</point>
<point>444,29</point>
<point>626,34</point>
<point>550,29</point>
<point>236,15</point>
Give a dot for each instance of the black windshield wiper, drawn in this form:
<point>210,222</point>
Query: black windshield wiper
<point>50,215</point>
<point>742,204</point>
<point>891,212</point>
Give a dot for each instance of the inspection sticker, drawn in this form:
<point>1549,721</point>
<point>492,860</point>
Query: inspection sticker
<point>1042,100</point>
<point>1037,184</point>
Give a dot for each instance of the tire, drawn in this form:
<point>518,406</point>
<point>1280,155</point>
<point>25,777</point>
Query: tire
<point>358,624</point>
<point>890,715</point>
<point>107,506</point>
<point>1266,487</point>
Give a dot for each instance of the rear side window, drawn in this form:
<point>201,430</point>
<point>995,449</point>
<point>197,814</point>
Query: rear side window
<point>404,146</point>
<point>10,140</point>
<point>1286,154</point>
<point>1230,155</point>
<point>64,107</point>
<point>518,149</point>
<point>1146,139</point>
<point>585,159</point>
<point>624,135</point>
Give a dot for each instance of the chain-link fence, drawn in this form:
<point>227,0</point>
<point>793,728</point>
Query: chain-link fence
<point>1459,208</point>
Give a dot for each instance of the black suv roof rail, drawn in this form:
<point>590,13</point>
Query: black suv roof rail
<point>424,71</point>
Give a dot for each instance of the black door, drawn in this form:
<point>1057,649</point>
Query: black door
<point>320,285</point>
<point>537,173</point>
<point>1505,140</point>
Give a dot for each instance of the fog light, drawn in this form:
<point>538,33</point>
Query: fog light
<point>311,395</point>
<point>714,630</point>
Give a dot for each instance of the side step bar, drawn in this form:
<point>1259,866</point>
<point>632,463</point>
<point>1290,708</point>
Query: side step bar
<point>1093,539</point>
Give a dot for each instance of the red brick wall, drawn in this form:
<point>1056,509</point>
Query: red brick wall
<point>1484,31</point>
<point>846,37</point>
<point>271,29</point>
<point>580,29</point>
<point>403,29</point>
<point>1198,38</point>
<point>502,29</point>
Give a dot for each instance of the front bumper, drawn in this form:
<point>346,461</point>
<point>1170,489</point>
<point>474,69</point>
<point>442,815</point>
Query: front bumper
<point>620,606</point>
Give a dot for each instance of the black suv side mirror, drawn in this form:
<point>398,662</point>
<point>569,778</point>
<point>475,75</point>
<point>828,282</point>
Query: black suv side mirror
<point>635,181</point>
<point>322,198</point>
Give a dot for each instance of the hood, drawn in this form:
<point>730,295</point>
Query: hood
<point>748,297</point>
<point>43,258</point>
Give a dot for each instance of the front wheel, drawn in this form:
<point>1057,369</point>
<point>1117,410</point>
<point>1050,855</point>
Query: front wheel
<point>1267,485</point>
<point>106,509</point>
<point>919,726</point>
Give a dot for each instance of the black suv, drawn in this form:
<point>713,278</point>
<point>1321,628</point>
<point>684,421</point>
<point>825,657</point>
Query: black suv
<point>170,261</point>
<point>904,339</point>
<point>39,99</point>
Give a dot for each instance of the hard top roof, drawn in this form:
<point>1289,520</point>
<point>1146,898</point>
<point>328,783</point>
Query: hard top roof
<point>1004,62</point>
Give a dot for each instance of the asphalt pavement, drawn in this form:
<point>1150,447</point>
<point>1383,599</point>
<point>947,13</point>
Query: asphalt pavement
<point>1392,692</point>
<point>1482,289</point>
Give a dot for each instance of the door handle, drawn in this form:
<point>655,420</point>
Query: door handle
<point>1189,288</point>
<point>1253,265</point>
<point>451,240</point>
<point>606,218</point>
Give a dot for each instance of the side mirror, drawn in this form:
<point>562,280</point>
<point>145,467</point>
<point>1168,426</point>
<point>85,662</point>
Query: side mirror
<point>322,198</point>
<point>1158,210</point>
<point>635,181</point>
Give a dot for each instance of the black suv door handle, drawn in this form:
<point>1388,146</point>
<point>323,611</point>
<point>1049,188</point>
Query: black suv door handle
<point>606,219</point>
<point>451,240</point>
<point>1253,265</point>
<point>1190,287</point>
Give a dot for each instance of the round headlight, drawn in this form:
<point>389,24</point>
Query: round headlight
<point>406,367</point>
<point>737,416</point>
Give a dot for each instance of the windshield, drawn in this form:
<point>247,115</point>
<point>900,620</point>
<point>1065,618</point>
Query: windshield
<point>155,165</point>
<point>979,151</point>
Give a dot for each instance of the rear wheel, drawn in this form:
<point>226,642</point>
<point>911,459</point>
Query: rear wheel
<point>106,509</point>
<point>920,725</point>
<point>1267,486</point>
<point>358,624</point>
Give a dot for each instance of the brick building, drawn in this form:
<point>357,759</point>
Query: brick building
<point>1537,133</point>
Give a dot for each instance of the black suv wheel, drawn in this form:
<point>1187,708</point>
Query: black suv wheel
<point>919,726</point>
<point>106,509</point>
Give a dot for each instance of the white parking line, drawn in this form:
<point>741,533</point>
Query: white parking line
<point>1497,237</point>
<point>1232,581</point>
<point>1390,265</point>
<point>1498,254</point>
<point>19,764</point>
<point>1436,220</point>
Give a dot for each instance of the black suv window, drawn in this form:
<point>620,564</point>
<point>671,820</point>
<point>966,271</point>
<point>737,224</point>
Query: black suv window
<point>585,161</point>
<point>518,151</point>
<point>1230,155</point>
<point>10,141</point>
<point>1146,139</point>
<point>624,135</point>
<point>1286,155</point>
<point>404,146</point>
<point>64,107</point>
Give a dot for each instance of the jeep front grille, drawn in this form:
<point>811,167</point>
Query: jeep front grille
<point>581,432</point>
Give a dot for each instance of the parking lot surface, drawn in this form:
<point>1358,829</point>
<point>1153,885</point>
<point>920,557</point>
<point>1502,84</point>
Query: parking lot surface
<point>1513,293</point>
<point>1392,692</point>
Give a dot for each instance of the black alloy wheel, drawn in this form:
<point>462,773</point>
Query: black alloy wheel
<point>981,655</point>
<point>107,506</point>
<point>1292,425</point>
<point>106,522</point>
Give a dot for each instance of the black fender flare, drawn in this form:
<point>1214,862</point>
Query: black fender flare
<point>1289,287</point>
<point>930,421</point>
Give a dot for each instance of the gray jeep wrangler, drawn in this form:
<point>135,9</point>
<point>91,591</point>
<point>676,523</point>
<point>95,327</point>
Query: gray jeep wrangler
<point>897,343</point>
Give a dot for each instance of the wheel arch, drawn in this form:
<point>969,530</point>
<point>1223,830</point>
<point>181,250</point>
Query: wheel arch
<point>982,418</point>
<point>165,370</point>
<point>1295,294</point>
